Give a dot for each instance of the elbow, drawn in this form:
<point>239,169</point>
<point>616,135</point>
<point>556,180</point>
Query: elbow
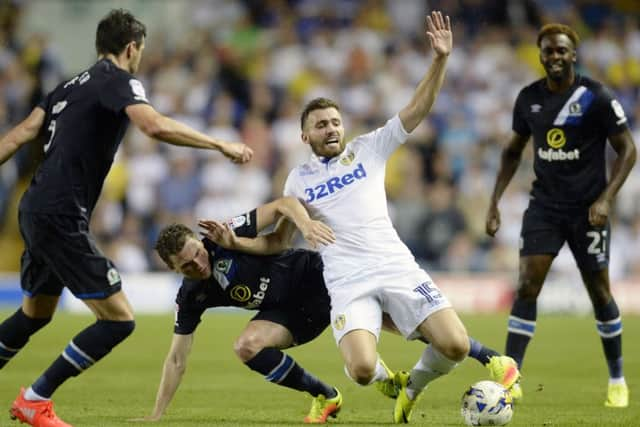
<point>155,128</point>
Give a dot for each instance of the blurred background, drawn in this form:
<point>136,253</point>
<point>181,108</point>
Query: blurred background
<point>243,70</point>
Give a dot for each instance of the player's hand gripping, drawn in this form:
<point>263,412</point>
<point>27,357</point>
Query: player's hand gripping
<point>599,212</point>
<point>219,233</point>
<point>317,233</point>
<point>236,152</point>
<point>439,33</point>
<point>492,223</point>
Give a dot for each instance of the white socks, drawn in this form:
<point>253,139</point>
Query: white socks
<point>431,365</point>
<point>29,394</point>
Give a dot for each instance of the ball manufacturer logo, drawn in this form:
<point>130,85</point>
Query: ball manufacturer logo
<point>240,293</point>
<point>556,138</point>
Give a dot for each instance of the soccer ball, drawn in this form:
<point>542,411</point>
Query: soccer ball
<point>487,403</point>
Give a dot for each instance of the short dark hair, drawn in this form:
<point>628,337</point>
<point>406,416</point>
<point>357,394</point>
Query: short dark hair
<point>316,104</point>
<point>171,241</point>
<point>118,29</point>
<point>550,29</point>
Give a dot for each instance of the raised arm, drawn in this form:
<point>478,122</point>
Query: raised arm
<point>158,126</point>
<point>624,146</point>
<point>174,367</point>
<point>439,34</point>
<point>509,162</point>
<point>24,132</point>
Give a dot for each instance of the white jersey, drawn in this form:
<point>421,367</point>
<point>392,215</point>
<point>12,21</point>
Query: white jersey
<point>347,193</point>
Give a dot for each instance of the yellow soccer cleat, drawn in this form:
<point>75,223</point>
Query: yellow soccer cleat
<point>388,387</point>
<point>617,396</point>
<point>404,405</point>
<point>516,393</point>
<point>503,370</point>
<point>323,408</point>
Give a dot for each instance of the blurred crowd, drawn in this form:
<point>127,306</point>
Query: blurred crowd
<point>243,70</point>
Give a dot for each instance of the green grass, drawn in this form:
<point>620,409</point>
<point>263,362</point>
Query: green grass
<point>565,377</point>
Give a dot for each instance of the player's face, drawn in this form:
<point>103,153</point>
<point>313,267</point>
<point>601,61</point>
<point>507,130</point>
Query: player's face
<point>193,260</point>
<point>557,55</point>
<point>324,132</point>
<point>136,56</point>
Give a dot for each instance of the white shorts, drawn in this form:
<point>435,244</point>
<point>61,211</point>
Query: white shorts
<point>409,299</point>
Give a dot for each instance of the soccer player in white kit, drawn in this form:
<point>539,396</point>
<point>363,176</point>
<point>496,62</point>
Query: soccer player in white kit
<point>368,270</point>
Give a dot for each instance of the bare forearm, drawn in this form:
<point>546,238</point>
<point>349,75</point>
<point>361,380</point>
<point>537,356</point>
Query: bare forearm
<point>294,210</point>
<point>171,378</point>
<point>508,165</point>
<point>619,172</point>
<point>176,133</point>
<point>268,244</point>
<point>425,94</point>
<point>10,144</point>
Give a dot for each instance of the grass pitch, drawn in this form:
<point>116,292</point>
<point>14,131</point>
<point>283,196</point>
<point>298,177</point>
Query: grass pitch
<point>564,384</point>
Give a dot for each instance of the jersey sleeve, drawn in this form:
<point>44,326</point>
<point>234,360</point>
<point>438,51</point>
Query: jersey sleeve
<point>188,314</point>
<point>520,125</point>
<point>385,139</point>
<point>45,102</point>
<point>244,225</point>
<point>290,185</point>
<point>610,112</point>
<point>121,91</point>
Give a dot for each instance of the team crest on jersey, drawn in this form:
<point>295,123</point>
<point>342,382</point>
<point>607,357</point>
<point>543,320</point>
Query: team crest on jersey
<point>575,109</point>
<point>535,108</point>
<point>240,293</point>
<point>348,159</point>
<point>339,322</point>
<point>113,276</point>
<point>223,265</point>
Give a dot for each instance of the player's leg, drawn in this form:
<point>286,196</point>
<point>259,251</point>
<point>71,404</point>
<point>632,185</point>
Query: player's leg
<point>15,331</point>
<point>41,289</point>
<point>522,319</point>
<point>68,250</point>
<point>590,247</point>
<point>541,238</point>
<point>449,346</point>
<point>356,326</point>
<point>259,347</point>
<point>114,323</point>
<point>502,369</point>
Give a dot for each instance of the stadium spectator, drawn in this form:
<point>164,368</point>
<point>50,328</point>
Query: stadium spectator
<point>84,120</point>
<point>570,117</point>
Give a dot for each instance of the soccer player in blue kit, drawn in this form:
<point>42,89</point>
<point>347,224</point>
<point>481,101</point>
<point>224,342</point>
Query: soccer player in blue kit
<point>569,117</point>
<point>286,286</point>
<point>82,122</point>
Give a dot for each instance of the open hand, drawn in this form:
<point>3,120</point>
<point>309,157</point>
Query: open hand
<point>439,33</point>
<point>219,233</point>
<point>317,233</point>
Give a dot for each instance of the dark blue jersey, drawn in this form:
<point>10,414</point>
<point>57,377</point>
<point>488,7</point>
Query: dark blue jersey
<point>284,281</point>
<point>569,131</point>
<point>85,121</point>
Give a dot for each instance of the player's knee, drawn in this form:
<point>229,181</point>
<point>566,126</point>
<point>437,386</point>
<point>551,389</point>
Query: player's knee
<point>119,331</point>
<point>456,348</point>
<point>247,346</point>
<point>362,371</point>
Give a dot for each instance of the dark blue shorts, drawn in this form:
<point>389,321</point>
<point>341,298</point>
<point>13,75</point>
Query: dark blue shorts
<point>545,231</point>
<point>60,252</point>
